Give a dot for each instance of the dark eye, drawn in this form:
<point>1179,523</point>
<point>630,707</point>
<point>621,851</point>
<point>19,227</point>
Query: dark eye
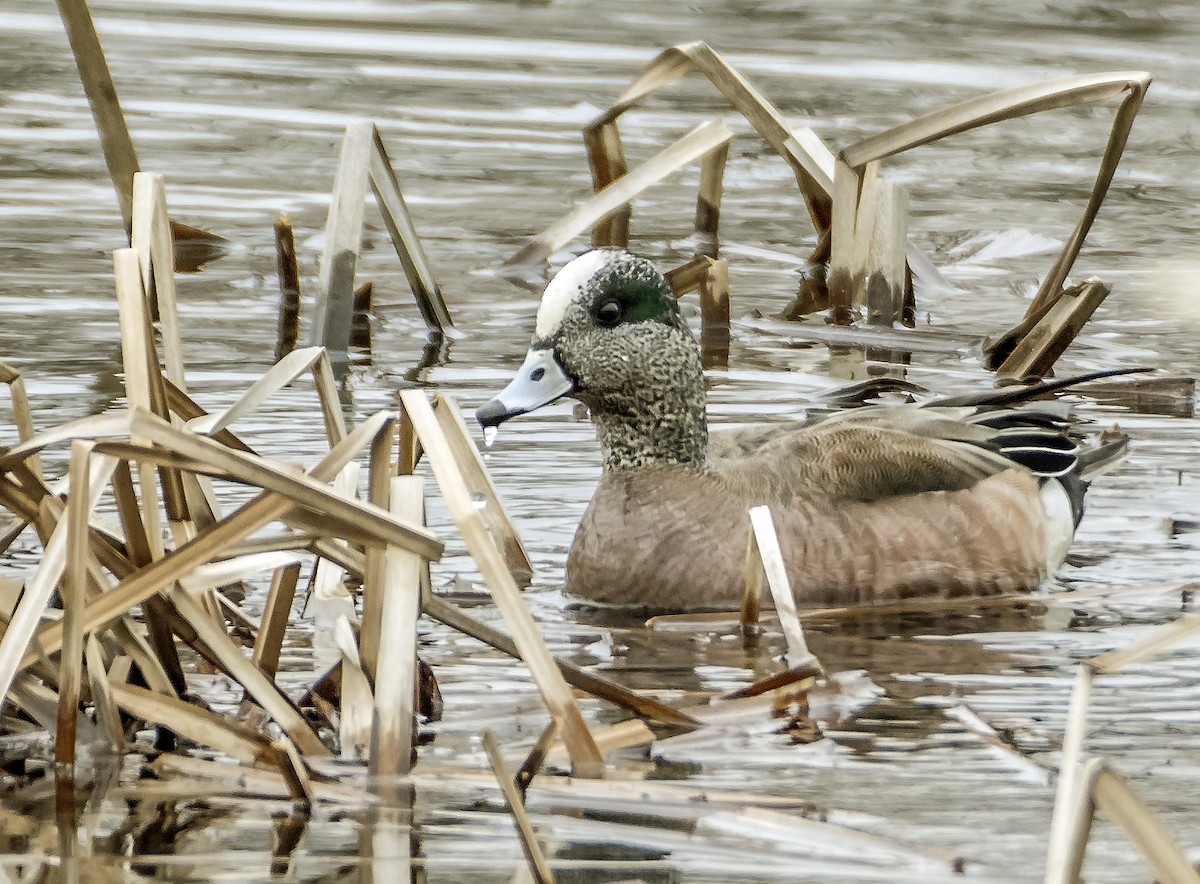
<point>608,313</point>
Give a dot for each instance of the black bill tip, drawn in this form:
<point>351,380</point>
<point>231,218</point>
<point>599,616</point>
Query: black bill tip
<point>493,414</point>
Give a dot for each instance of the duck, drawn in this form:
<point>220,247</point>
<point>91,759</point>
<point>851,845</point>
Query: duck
<point>872,504</point>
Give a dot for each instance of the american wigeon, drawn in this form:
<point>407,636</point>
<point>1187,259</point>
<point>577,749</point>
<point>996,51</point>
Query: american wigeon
<point>871,504</point>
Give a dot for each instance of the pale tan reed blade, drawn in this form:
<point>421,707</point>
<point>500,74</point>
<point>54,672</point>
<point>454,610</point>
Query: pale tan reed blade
<point>136,355</point>
<point>405,240</point>
<point>1065,819</point>
<point>381,469</point>
<point>539,867</point>
<point>147,581</point>
<point>1155,641</point>
<point>1011,104</point>
<point>1118,800</point>
<point>298,487</point>
<point>801,149</point>
<point>257,685</point>
<point>766,545</point>
<point>622,735</point>
<point>21,412</point>
<point>705,138</point>
<point>107,715</point>
<point>331,405</point>
<point>393,735</point>
<point>277,377</point>
<point>115,423</point>
<point>233,569</point>
<point>155,246</point>
<point>343,240</point>
<point>276,616</point>
<point>357,704</point>
<point>194,722</point>
<point>483,490</point>
<point>74,595</point>
<point>328,597</point>
<point>14,645</point>
<point>585,757</point>
<point>115,140</point>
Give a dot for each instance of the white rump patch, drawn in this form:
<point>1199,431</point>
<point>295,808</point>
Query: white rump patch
<point>1060,524</point>
<point>566,286</point>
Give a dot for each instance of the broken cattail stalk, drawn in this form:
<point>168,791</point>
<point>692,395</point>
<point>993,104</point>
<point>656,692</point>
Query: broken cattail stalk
<point>364,160</point>
<point>107,714</point>
<point>534,855</point>
<point>1012,104</point>
<point>288,270</point>
<point>752,589</point>
<point>708,200</point>
<point>393,729</point>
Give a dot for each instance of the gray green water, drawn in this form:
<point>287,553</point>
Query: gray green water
<point>241,105</point>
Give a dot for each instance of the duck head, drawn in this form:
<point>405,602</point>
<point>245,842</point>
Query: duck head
<point>609,333</point>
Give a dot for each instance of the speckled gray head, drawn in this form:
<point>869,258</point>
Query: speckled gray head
<point>609,333</point>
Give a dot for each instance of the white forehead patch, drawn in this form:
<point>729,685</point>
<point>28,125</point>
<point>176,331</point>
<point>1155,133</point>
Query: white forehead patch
<point>566,286</point>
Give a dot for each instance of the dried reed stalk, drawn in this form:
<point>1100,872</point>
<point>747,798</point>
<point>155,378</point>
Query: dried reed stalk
<point>74,597</point>
<point>809,159</point>
<point>276,616</point>
<point>393,732</point>
<point>704,139</point>
<point>1065,316</point>
<point>363,160</point>
<point>115,140</point>
<point>356,703</point>
<point>1011,104</point>
<point>479,483</point>
<point>534,856</point>
<point>586,759</point>
<point>1067,822</point>
<point>155,247</point>
<point>381,470</point>
<point>408,246</point>
<point>138,586</point>
<point>1116,797</point>
<point>764,547</point>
